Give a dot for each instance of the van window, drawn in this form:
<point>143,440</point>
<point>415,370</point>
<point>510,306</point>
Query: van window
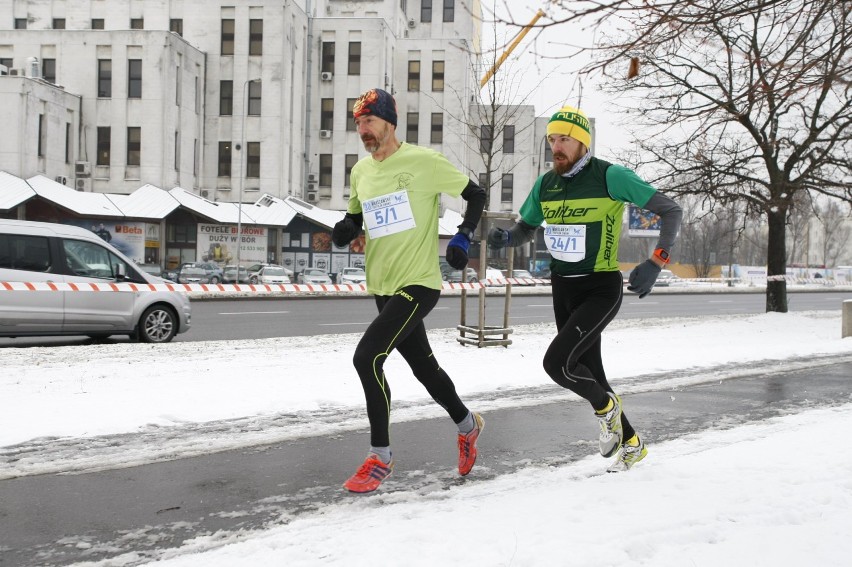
<point>91,260</point>
<point>21,252</point>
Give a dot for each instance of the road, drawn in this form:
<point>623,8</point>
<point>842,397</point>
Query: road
<point>287,317</point>
<point>63,519</point>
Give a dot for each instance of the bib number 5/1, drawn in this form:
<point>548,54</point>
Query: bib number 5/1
<point>566,242</point>
<point>388,214</point>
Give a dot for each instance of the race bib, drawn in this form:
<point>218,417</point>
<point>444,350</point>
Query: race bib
<point>566,242</point>
<point>388,214</point>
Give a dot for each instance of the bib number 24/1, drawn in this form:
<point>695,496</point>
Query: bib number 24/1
<point>388,214</point>
<point>566,242</point>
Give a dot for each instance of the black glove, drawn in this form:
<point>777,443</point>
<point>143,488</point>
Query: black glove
<point>345,232</point>
<point>499,238</point>
<point>642,278</point>
<point>457,249</point>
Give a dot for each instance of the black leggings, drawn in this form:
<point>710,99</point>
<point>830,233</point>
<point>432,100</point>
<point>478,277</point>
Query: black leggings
<point>400,326</point>
<point>584,306</point>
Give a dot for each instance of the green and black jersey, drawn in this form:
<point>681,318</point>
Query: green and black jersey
<point>583,215</point>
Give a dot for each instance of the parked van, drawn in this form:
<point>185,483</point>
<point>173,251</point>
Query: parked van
<point>46,252</point>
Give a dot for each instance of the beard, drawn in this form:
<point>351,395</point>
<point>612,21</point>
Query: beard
<point>371,144</point>
<point>563,167</point>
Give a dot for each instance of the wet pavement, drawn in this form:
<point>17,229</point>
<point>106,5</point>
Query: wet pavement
<point>62,519</point>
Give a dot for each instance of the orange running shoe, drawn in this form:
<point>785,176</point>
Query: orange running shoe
<point>467,446</point>
<point>369,476</point>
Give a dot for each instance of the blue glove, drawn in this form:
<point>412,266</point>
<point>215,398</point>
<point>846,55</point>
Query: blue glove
<point>457,250</point>
<point>643,277</point>
<point>499,238</point>
<point>344,232</point>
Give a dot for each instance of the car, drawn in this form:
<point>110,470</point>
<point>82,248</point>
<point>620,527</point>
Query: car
<point>193,275</point>
<point>212,273</point>
<point>58,253</point>
<point>314,276</point>
<point>269,274</point>
<point>494,274</point>
<point>455,276</point>
<point>230,275</point>
<point>521,275</point>
<point>666,278</point>
<point>254,268</point>
<point>352,276</point>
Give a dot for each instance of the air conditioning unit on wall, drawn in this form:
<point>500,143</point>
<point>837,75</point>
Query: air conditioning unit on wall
<point>312,196</point>
<point>83,184</point>
<point>548,165</point>
<point>326,76</point>
<point>411,23</point>
<point>82,169</point>
<point>312,178</point>
<point>325,134</point>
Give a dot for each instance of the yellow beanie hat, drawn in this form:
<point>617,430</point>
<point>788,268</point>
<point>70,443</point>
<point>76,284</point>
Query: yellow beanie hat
<point>570,121</point>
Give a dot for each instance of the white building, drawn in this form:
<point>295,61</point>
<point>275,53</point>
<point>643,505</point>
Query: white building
<point>232,101</point>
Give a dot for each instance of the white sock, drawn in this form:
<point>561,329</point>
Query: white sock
<point>383,453</point>
<point>467,425</point>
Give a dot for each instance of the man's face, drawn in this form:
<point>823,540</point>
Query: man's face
<point>566,152</point>
<point>374,132</point>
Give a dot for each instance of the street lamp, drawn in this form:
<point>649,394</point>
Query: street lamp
<point>240,149</point>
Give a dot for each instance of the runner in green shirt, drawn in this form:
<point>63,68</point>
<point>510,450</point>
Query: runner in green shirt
<point>395,193</point>
<point>580,203</point>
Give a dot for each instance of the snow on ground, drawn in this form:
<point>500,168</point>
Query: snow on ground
<point>774,493</point>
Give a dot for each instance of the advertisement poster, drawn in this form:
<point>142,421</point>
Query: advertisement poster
<point>642,223</point>
<point>288,260</point>
<point>338,262</point>
<point>127,237</point>
<point>301,262</point>
<point>322,262</point>
<point>218,243</point>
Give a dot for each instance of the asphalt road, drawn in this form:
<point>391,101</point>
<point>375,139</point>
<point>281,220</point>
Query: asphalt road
<point>63,519</point>
<point>227,319</point>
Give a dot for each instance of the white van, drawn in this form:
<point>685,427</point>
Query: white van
<point>45,252</point>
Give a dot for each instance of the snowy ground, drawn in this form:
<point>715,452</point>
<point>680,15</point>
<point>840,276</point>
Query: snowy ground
<point>774,493</point>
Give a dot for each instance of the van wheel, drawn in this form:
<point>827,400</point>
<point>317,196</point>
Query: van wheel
<point>158,324</point>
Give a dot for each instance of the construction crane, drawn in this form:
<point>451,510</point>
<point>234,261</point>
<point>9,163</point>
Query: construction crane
<point>511,47</point>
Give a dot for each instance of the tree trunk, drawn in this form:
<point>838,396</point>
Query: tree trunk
<point>776,263</point>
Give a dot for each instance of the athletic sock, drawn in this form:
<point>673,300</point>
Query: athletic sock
<point>383,453</point>
<point>633,441</point>
<point>606,409</point>
<point>467,425</point>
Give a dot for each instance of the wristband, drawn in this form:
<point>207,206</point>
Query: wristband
<point>662,255</point>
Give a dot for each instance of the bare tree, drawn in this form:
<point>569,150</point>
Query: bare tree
<point>836,232</point>
<point>745,103</point>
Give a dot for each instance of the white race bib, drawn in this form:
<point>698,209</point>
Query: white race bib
<point>388,214</point>
<point>566,242</point>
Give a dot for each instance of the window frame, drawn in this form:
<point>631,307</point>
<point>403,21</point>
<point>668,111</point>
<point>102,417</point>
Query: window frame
<point>226,98</point>
<point>134,78</point>
<point>225,156</point>
<point>104,78</point>
<point>134,145</point>
<point>104,146</point>
<point>255,37</point>
<point>226,37</point>
<point>354,59</point>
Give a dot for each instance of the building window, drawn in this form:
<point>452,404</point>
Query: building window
<point>195,156</point>
<point>350,116</point>
<point>411,127</point>
<point>226,98</point>
<point>548,153</point>
<point>437,76</point>
<point>137,23</point>
<point>437,135</point>
<point>59,23</point>
<point>253,160</point>
<point>134,78</point>
<point>506,188</point>
<point>508,139</point>
<point>6,62</point>
<point>327,57</point>
<point>414,75</point>
<point>224,159</point>
<point>449,10</point>
<point>134,145</point>
<point>227,37</point>
<point>67,142</point>
<point>176,25</point>
<point>351,160</point>
<point>104,78</point>
<point>255,37</point>
<point>103,145</point>
<point>483,179</point>
<point>177,86</point>
<point>486,138</point>
<point>354,58</point>
<point>197,95</point>
<point>325,170</point>
<point>20,23</point>
<point>327,114</point>
<point>97,23</point>
<point>425,10</point>
<point>42,134</point>
<point>177,151</point>
<point>254,96</point>
<point>48,70</point>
